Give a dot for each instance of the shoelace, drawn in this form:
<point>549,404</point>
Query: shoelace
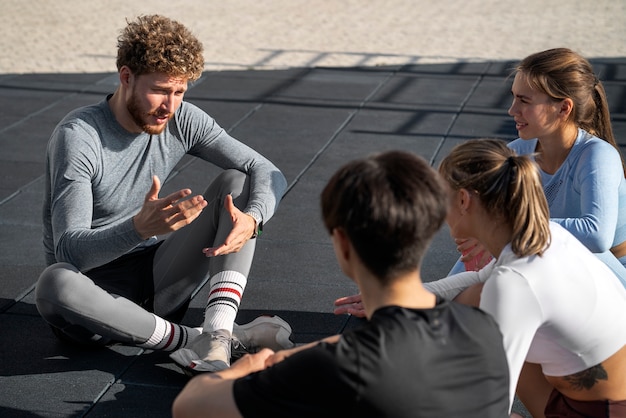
<point>228,341</point>
<point>238,348</point>
<point>236,343</point>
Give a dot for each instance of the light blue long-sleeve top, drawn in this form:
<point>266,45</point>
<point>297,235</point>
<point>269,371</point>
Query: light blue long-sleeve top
<point>587,195</point>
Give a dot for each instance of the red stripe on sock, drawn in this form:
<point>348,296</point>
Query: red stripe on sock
<point>169,341</point>
<point>225,289</point>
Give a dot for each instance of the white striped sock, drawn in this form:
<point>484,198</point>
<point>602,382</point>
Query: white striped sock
<point>160,329</point>
<point>168,336</point>
<point>224,298</point>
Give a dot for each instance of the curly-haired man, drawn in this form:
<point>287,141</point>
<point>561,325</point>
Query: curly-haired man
<point>123,261</point>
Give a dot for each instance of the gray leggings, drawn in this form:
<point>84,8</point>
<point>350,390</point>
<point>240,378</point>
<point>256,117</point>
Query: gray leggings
<point>115,302</point>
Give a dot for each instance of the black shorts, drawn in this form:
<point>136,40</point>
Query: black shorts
<point>130,276</point>
<point>560,406</point>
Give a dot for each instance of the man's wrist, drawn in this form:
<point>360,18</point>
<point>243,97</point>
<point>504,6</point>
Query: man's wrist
<point>258,228</point>
<point>136,228</point>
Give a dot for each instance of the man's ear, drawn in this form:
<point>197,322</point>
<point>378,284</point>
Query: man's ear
<point>342,243</point>
<point>125,75</point>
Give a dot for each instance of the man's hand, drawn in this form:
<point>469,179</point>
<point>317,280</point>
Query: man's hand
<point>243,228</point>
<point>350,305</point>
<point>279,356</point>
<point>211,394</point>
<point>248,363</point>
<point>161,216</point>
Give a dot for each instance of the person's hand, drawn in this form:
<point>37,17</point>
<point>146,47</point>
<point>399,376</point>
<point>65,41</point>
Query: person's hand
<point>243,229</point>
<point>474,255</point>
<point>279,356</point>
<point>163,215</point>
<point>351,305</point>
<point>248,363</point>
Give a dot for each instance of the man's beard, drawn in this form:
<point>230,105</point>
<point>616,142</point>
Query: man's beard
<point>136,113</point>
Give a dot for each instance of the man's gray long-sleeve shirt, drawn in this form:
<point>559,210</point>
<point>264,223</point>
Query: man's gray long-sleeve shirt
<point>98,174</point>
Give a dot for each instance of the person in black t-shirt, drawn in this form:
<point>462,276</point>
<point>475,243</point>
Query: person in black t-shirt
<point>416,356</point>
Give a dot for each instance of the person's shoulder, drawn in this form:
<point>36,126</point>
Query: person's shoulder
<point>444,311</point>
<point>562,240</point>
<point>473,319</point>
<point>587,143</point>
<point>86,114</point>
<point>189,115</point>
<point>83,123</point>
<point>188,108</point>
<point>592,153</point>
<point>323,359</point>
<point>523,146</point>
<point>462,311</point>
<point>557,230</point>
<point>85,120</point>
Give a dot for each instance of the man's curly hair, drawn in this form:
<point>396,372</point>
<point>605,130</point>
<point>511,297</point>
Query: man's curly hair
<point>157,44</point>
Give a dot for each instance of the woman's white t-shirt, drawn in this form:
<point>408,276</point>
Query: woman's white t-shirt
<point>565,310</point>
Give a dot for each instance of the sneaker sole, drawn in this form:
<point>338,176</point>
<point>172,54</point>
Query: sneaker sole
<point>191,372</point>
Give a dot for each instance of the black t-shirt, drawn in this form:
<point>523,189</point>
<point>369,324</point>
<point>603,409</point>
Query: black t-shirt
<point>442,362</point>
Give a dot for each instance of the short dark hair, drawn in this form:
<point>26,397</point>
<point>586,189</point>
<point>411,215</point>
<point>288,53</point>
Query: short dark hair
<point>157,44</point>
<point>390,206</point>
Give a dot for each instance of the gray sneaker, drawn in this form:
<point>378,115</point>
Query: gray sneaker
<point>208,352</point>
<point>269,331</point>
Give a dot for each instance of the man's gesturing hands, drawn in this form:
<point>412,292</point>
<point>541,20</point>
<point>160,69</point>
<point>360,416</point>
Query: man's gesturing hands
<point>161,216</point>
<point>243,228</point>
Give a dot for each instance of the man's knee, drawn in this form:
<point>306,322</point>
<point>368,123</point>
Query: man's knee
<point>60,291</point>
<point>232,182</point>
<point>55,288</point>
<point>54,278</point>
<point>231,176</point>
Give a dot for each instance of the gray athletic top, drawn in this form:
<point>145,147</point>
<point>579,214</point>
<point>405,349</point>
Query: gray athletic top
<point>98,174</point>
